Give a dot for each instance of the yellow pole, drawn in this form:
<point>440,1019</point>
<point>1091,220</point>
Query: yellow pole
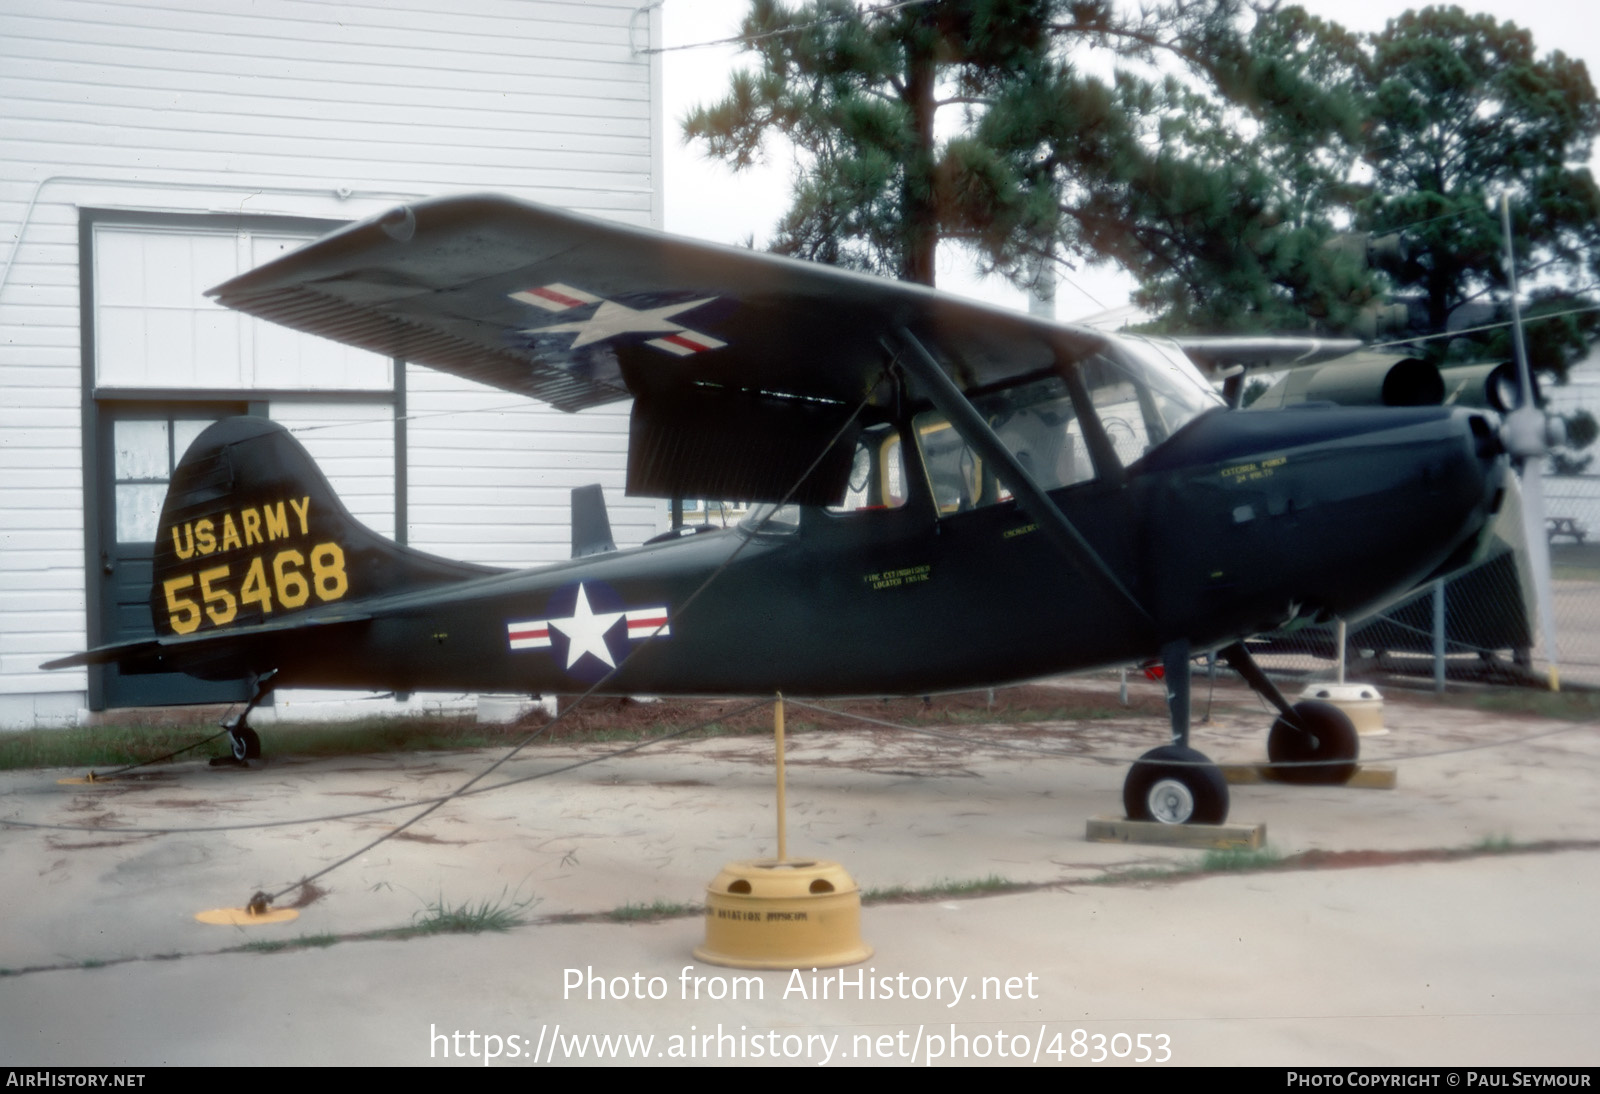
<point>777,725</point>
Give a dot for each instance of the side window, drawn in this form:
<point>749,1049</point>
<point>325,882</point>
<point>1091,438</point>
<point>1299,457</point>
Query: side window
<point>954,471</point>
<point>1036,422</point>
<point>1047,440</point>
<point>877,473</point>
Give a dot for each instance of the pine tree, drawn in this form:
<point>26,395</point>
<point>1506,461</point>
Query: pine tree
<point>965,120</point>
<point>1460,110</point>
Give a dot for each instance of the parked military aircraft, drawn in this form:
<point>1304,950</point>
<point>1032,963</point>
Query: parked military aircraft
<point>951,495</point>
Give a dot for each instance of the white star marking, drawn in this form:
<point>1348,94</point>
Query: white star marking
<point>611,319</point>
<point>587,631</point>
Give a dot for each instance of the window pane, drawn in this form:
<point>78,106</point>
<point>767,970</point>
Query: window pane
<point>141,450</point>
<point>138,511</point>
<point>183,435</point>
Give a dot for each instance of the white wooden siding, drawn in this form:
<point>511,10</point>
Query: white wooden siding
<point>306,108</point>
<point>353,444</point>
<point>155,327</point>
<point>478,453</point>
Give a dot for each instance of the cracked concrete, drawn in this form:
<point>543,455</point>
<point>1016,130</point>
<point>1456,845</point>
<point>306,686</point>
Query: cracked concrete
<point>1489,959</point>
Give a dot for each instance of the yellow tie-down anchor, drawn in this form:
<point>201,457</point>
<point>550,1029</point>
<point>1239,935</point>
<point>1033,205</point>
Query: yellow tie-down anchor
<point>783,913</point>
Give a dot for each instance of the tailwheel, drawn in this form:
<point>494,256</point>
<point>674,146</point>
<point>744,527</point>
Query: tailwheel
<point>246,743</point>
<point>1175,785</point>
<point>1325,741</point>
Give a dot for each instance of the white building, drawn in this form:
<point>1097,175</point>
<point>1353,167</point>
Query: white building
<point>149,151</point>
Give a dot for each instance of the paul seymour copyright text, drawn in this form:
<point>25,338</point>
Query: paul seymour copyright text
<point>925,1043</point>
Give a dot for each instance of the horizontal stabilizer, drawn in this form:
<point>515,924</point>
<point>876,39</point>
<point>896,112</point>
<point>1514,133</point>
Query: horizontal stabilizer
<point>230,650</point>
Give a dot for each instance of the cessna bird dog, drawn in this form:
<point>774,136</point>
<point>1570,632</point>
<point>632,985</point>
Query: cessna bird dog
<point>953,495</point>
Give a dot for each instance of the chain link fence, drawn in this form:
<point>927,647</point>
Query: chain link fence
<point>1481,625</point>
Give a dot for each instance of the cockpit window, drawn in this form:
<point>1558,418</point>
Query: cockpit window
<point>1140,392</point>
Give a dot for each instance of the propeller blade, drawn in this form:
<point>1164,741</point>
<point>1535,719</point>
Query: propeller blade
<point>1538,541</point>
<point>1527,439</point>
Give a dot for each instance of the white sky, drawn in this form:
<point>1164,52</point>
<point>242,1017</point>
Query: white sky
<point>707,200</point>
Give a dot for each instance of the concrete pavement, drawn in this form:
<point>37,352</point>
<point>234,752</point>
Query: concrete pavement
<point>1487,959</point>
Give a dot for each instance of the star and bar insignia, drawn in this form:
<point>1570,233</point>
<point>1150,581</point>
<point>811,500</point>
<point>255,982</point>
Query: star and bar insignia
<point>588,631</point>
<point>611,319</point>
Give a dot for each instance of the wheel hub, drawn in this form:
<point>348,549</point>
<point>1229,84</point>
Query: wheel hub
<point>1171,802</point>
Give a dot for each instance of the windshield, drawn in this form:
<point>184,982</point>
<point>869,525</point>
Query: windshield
<point>1175,391</point>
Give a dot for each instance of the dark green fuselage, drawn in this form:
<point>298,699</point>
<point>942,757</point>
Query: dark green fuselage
<point>1233,526</point>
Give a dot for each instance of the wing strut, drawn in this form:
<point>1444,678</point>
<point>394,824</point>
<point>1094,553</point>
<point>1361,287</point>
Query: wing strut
<point>1033,499</point>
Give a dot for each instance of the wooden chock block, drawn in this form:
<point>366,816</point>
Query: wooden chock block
<point>1209,837</point>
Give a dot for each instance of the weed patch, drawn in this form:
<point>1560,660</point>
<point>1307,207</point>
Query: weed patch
<point>470,918</point>
<point>943,889</point>
<point>645,913</point>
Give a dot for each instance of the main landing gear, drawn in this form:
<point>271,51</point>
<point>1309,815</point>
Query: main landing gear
<point>1310,742</point>
<point>245,743</point>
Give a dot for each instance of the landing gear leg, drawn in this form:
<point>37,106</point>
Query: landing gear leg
<point>1315,742</point>
<point>1175,784</point>
<point>244,742</point>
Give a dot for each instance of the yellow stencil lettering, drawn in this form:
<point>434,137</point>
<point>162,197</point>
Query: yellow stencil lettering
<point>277,523</point>
<point>230,534</point>
<point>184,548</point>
<point>256,590</point>
<point>204,536</point>
<point>302,509</point>
<point>252,527</point>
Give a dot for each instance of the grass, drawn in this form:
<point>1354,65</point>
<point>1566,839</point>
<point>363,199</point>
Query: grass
<point>1234,860</point>
<point>118,745</point>
<point>1569,705</point>
<point>1239,860</point>
<point>943,888</point>
<point>435,918</point>
<point>648,913</point>
<point>469,918</point>
<point>105,747</point>
<point>304,942</point>
<point>133,740</point>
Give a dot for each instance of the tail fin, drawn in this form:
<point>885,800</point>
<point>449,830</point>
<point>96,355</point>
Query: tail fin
<point>251,532</point>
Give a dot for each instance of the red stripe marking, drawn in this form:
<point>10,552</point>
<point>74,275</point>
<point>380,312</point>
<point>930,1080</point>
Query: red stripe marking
<point>542,632</point>
<point>680,340</point>
<point>560,298</point>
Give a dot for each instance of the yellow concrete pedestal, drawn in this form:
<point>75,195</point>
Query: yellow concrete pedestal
<point>767,914</point>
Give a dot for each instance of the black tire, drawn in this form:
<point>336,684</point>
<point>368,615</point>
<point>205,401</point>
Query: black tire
<point>1175,785</point>
<point>246,744</point>
<point>1331,743</point>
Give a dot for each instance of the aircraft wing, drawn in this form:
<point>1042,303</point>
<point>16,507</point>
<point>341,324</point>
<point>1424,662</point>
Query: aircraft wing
<point>741,363</point>
<point>1263,351</point>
